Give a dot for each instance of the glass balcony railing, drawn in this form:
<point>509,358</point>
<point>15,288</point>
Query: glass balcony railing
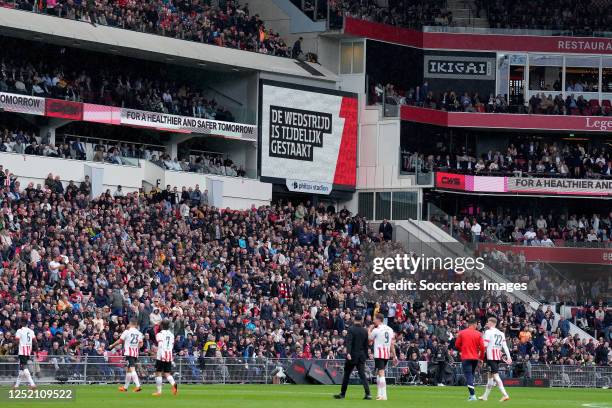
<point>515,31</point>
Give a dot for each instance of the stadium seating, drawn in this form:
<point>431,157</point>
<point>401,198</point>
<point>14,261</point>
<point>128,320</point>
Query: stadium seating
<point>275,281</point>
<point>542,103</point>
<point>231,26</point>
<point>71,74</point>
<point>521,159</point>
<point>549,231</point>
<point>575,18</point>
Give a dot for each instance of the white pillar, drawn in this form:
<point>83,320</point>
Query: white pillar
<point>48,130</point>
<point>172,145</point>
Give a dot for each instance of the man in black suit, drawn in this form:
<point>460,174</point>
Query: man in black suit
<point>356,356</point>
<point>386,229</point>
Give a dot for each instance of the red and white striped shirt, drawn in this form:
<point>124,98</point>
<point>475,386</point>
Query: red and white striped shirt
<point>495,342</point>
<point>382,336</point>
<point>25,336</point>
<point>165,344</point>
<point>131,342</point>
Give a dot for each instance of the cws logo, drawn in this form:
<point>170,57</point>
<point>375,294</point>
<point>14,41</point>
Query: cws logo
<point>295,132</point>
<point>58,108</point>
<point>450,181</point>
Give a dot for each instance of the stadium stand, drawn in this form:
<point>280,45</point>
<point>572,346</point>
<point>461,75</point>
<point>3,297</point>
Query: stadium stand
<point>275,281</point>
<point>116,152</point>
<point>574,17</point>
<point>410,14</point>
<point>229,26</point>
<point>65,73</point>
<point>543,103</point>
<point>541,231</point>
<point>528,157</point>
<point>578,17</point>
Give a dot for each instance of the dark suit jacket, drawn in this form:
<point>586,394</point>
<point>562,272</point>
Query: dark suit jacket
<point>357,343</point>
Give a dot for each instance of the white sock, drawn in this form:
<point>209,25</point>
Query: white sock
<point>500,384</point>
<point>28,377</point>
<point>128,379</point>
<point>378,386</point>
<point>490,385</point>
<point>383,381</point>
<point>158,383</point>
<point>136,380</point>
<point>18,378</point>
<point>171,380</point>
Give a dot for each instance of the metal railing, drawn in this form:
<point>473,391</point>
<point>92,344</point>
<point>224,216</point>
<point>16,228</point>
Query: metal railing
<point>65,369</point>
<point>515,31</point>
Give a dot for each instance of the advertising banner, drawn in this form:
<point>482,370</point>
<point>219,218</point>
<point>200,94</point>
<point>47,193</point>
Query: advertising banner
<point>31,105</point>
<point>57,108</point>
<point>450,181</point>
<point>164,121</point>
<point>459,67</point>
<point>308,137</point>
<point>506,120</point>
<point>110,115</point>
<point>476,42</point>
<point>560,186</point>
<point>524,185</point>
<point>559,254</point>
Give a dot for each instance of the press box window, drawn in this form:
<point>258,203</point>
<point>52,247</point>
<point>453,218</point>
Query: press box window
<point>351,57</point>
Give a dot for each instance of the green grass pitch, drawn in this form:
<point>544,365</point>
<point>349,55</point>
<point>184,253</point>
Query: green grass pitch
<point>293,396</point>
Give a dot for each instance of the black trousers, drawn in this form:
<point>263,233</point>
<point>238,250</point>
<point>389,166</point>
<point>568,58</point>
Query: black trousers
<point>441,372</point>
<point>349,366</point>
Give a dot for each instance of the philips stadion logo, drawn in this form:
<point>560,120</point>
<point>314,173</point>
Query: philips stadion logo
<point>295,132</point>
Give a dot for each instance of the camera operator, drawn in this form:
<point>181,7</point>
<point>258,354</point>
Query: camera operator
<point>441,359</point>
<point>521,367</point>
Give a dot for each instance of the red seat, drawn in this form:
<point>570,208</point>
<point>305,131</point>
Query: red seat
<point>606,106</point>
<point>575,111</point>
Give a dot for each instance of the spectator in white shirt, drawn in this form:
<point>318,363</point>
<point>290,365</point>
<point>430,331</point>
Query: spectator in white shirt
<point>476,230</point>
<point>546,242</point>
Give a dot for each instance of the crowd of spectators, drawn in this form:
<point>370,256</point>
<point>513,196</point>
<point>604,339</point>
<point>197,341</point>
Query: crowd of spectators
<point>528,230</point>
<point>207,163</point>
<point>583,17</point>
<point>546,283</point>
<point>411,14</point>
<point>273,281</point>
<point>524,159</point>
<point>577,17</point>
<point>541,103</point>
<point>28,142</point>
<point>48,71</point>
<point>225,23</point>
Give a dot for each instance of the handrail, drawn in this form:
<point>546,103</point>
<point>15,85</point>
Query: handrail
<point>95,138</point>
<point>513,31</point>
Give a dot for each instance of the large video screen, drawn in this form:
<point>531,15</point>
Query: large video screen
<point>308,137</point>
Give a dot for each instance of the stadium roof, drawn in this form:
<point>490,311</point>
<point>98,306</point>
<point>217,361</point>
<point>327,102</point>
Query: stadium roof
<point>71,33</point>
